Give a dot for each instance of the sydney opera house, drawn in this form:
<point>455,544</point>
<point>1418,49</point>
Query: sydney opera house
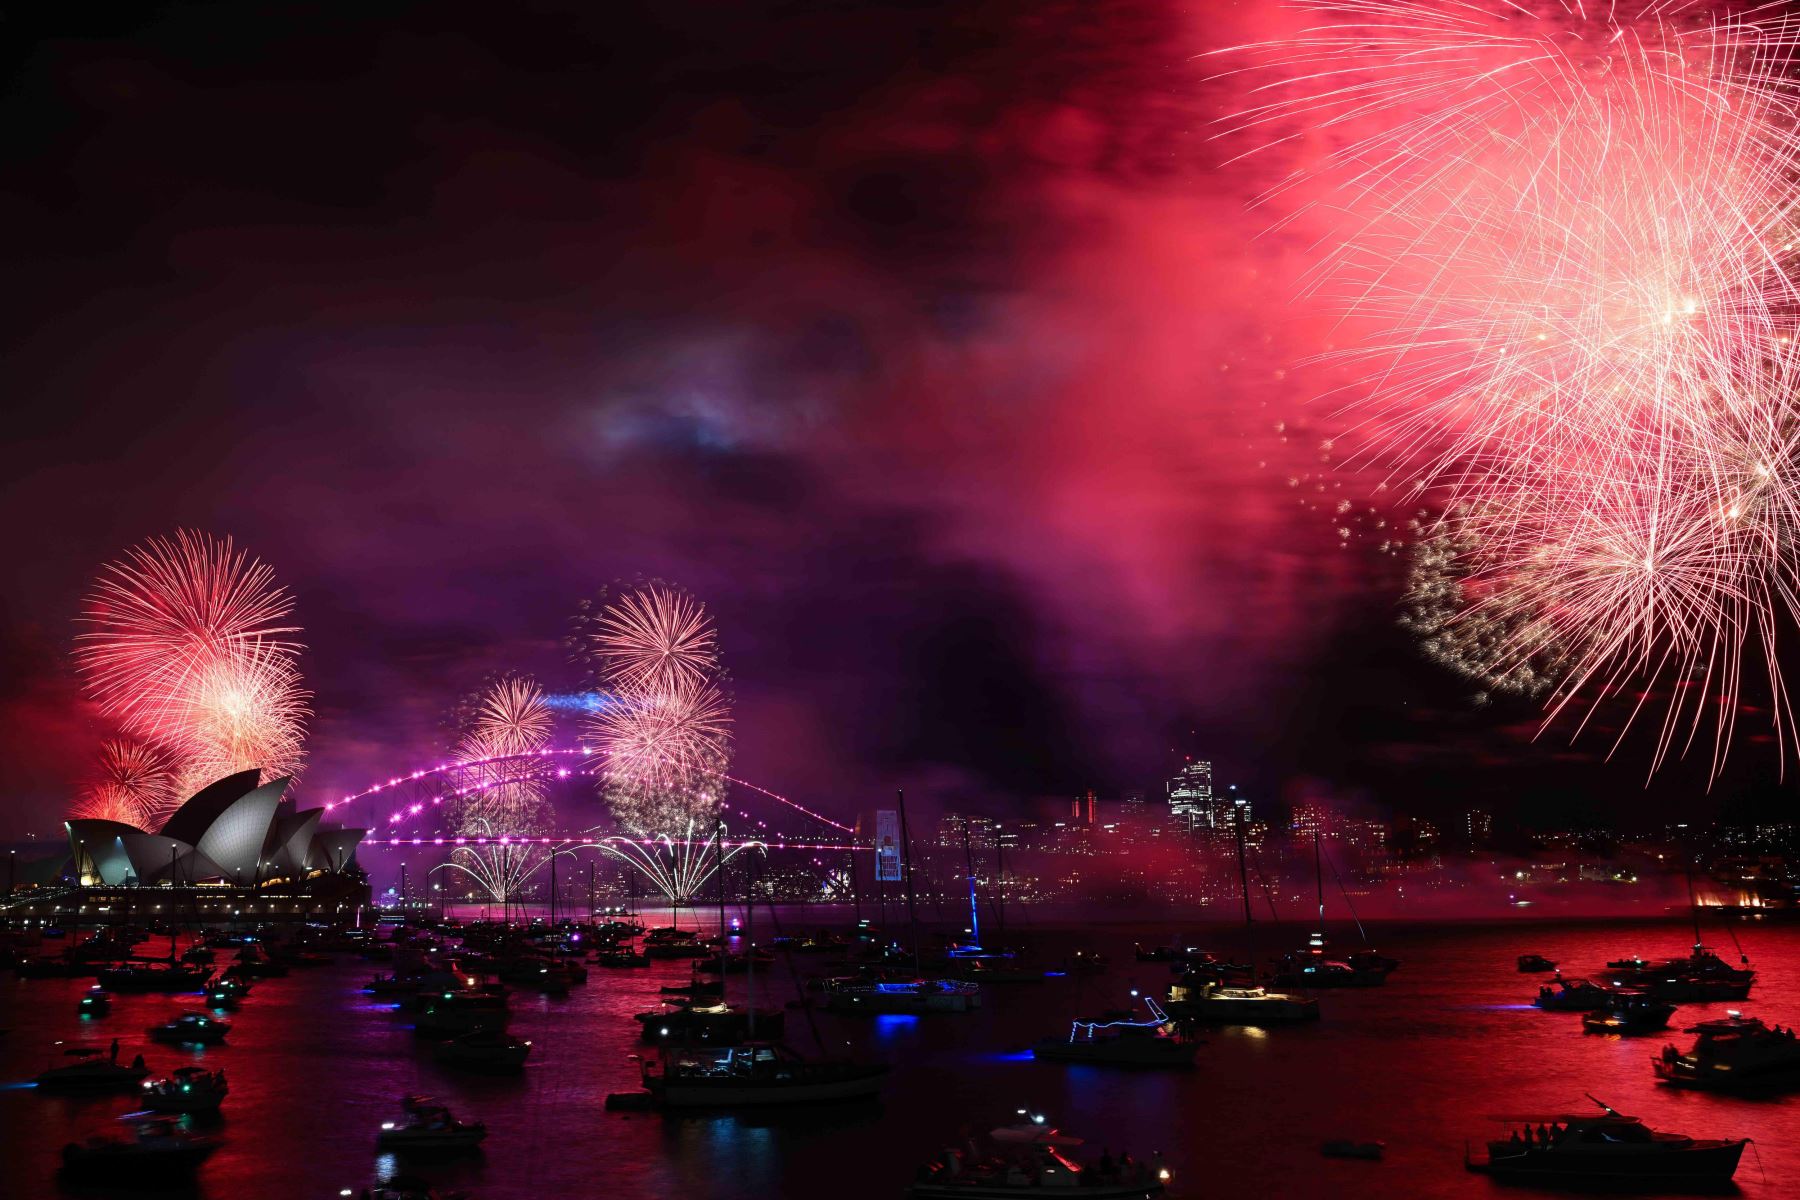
<point>232,832</point>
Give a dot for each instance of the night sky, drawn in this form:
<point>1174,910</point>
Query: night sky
<point>939,349</point>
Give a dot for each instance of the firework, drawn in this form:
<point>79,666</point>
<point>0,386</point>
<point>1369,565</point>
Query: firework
<point>662,735</point>
<point>509,717</point>
<point>678,867</point>
<point>654,638</point>
<point>186,643</point>
<point>507,720</point>
<point>168,612</point>
<point>1562,243</point>
<point>131,785</point>
<point>242,711</point>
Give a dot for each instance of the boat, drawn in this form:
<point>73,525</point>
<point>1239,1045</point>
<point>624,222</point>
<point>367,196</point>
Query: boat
<point>430,1128</point>
<point>1628,1012</point>
<point>1118,1041</point>
<point>188,1090</point>
<point>1217,1003</point>
<point>1609,1148</point>
<point>54,968</point>
<point>1634,963</point>
<point>404,1187</point>
<point>252,963</point>
<point>903,996</point>
<point>485,1050</point>
<point>1033,1159</point>
<point>95,1002</point>
<point>622,956</point>
<point>715,1024</point>
<point>156,1149</point>
<point>154,977</point>
<point>92,1073</point>
<point>191,1029</point>
<point>674,943</point>
<point>1571,995</point>
<point>458,1011</point>
<point>1313,967</point>
<point>394,985</point>
<point>1733,1053</point>
<point>734,964</point>
<point>197,956</point>
<point>756,1075</point>
<point>698,987</point>
<point>1537,963</point>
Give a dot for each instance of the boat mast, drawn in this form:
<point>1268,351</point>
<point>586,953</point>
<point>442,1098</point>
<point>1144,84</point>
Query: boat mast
<point>1319,879</point>
<point>969,863</point>
<point>749,947</point>
<point>1000,878</point>
<point>1693,905</point>
<point>912,913</point>
<point>553,854</point>
<point>1244,886</point>
<point>722,942</point>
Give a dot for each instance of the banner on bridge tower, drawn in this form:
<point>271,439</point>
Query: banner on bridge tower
<point>887,845</point>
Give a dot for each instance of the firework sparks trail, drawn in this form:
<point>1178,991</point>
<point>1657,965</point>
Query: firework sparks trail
<point>187,644</point>
<point>131,785</point>
<point>508,719</point>
<point>679,868</point>
<point>1562,245</point>
<point>663,739</point>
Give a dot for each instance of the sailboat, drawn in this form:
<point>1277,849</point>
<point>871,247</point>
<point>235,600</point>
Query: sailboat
<point>1313,967</point>
<point>1207,997</point>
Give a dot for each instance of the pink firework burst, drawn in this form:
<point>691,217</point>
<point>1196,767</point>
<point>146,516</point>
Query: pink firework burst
<point>1562,244</point>
<point>131,785</point>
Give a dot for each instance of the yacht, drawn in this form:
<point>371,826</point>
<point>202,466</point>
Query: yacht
<point>156,1149</point>
<point>154,977</point>
<point>1311,969</point>
<point>1733,1053</point>
<point>95,1002</point>
<point>455,1011</point>
<point>1217,1003</point>
<point>757,1074</point>
<point>903,996</point>
<point>674,943</point>
<point>395,985</point>
<point>1537,963</point>
<point>1571,995</point>
<point>715,1024</point>
<point>1033,1159</point>
<point>620,956</point>
<point>430,1128</point>
<point>191,1029</point>
<point>188,1090</point>
<point>1118,1041</point>
<point>1628,1012</point>
<point>1607,1149</point>
<point>485,1050</point>
<point>89,1072</point>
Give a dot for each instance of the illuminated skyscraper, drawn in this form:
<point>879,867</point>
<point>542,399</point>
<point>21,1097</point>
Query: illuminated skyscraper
<point>1191,796</point>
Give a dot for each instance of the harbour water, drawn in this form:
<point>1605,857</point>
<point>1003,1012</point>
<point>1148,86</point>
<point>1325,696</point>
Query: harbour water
<point>316,1066</point>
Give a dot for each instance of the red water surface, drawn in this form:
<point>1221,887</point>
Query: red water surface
<point>316,1066</point>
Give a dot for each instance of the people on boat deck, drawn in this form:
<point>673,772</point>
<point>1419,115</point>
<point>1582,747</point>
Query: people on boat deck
<point>137,1064</point>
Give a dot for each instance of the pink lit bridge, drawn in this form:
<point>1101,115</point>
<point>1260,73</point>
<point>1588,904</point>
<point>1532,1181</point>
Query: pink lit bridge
<point>415,808</point>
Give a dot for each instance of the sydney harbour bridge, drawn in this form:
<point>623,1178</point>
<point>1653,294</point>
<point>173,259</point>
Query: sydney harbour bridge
<point>416,812</point>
